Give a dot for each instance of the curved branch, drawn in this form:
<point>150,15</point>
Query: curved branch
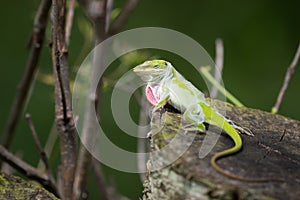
<point>28,170</point>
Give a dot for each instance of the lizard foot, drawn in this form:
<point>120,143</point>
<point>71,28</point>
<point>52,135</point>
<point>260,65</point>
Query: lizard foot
<point>245,130</point>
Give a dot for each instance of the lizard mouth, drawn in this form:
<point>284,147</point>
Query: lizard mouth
<point>148,76</point>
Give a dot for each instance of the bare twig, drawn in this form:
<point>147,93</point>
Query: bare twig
<point>59,182</point>
<point>96,10</point>
<point>109,8</point>
<point>123,16</point>
<point>37,141</point>
<point>63,114</point>
<point>99,13</point>
<point>104,191</point>
<point>219,66</point>
<point>287,79</point>
<point>69,21</point>
<point>82,169</point>
<point>36,43</point>
<point>51,140</point>
<point>53,135</point>
<point>99,20</point>
<point>205,71</point>
<point>28,170</point>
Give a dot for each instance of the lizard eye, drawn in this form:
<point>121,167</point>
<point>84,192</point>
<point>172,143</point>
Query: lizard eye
<point>155,66</point>
<point>166,64</point>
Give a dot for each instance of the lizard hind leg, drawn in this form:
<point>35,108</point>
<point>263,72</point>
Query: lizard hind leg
<point>193,118</point>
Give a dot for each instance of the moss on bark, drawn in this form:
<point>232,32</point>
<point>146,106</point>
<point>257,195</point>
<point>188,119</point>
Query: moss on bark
<point>13,187</point>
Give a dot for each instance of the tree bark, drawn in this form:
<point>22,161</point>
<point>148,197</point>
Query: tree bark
<point>273,152</point>
<point>13,187</point>
<point>63,110</point>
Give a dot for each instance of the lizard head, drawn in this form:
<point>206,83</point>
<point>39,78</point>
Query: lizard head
<point>153,70</point>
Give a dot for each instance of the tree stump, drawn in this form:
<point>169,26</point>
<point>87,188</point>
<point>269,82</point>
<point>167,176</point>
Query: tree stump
<point>273,152</point>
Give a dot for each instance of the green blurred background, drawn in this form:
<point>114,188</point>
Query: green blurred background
<point>260,39</point>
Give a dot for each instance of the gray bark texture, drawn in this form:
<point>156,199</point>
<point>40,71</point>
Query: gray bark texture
<point>273,152</point>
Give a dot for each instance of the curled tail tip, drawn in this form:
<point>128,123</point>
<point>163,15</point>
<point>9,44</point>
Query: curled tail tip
<point>239,178</point>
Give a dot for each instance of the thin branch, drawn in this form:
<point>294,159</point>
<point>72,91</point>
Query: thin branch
<point>69,21</point>
<point>109,7</point>
<point>123,16</point>
<point>99,20</point>
<point>219,66</point>
<point>97,13</point>
<point>104,191</point>
<point>37,141</point>
<point>63,114</point>
<point>53,136</point>
<point>287,79</point>
<point>205,71</point>
<point>59,182</point>
<point>51,140</point>
<point>81,173</point>
<point>27,170</point>
<point>43,155</point>
<point>36,43</point>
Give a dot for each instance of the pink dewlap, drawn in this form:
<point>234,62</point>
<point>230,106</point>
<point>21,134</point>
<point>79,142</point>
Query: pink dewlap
<point>150,96</point>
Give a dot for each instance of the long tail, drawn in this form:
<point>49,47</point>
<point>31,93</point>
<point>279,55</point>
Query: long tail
<point>219,155</point>
<point>214,118</point>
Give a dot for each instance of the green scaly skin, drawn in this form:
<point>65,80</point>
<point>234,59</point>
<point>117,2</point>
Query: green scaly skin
<point>166,85</point>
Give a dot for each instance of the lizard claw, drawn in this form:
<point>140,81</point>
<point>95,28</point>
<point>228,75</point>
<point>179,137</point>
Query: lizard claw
<point>149,135</point>
<point>245,130</point>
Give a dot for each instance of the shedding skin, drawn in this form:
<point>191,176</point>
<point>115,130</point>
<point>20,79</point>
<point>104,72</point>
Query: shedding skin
<point>166,85</point>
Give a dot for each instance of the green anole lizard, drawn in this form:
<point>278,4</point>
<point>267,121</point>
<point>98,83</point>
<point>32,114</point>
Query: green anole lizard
<point>166,85</point>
